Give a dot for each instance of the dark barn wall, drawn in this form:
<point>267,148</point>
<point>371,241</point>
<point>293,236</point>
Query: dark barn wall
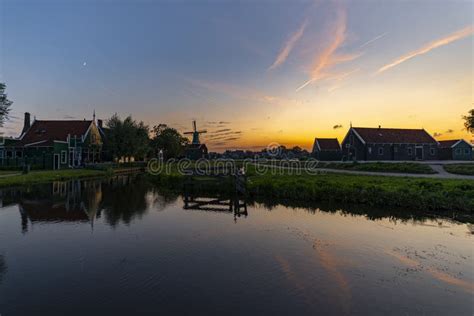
<point>353,148</point>
<point>328,155</point>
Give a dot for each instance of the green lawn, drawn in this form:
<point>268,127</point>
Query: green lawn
<point>397,167</point>
<point>7,172</point>
<point>48,176</point>
<point>401,167</point>
<point>465,169</point>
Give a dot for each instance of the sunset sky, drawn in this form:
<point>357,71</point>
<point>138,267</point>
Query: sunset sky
<point>250,72</point>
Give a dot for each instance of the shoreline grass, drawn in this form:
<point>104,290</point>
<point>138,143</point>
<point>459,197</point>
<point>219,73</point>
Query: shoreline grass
<point>382,191</point>
<point>35,177</point>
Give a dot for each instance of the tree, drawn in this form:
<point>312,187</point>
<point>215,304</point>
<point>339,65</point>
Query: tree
<point>469,121</point>
<point>169,140</point>
<point>4,104</point>
<point>127,138</point>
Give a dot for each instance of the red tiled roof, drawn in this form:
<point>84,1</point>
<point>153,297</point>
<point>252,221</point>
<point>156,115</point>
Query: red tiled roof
<point>49,131</point>
<point>394,135</point>
<point>328,143</point>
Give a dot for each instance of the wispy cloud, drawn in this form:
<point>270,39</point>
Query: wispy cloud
<point>233,91</point>
<point>328,58</point>
<point>290,43</point>
<point>430,46</point>
<point>373,40</point>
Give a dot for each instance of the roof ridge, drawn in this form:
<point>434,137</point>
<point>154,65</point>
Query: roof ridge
<point>395,128</point>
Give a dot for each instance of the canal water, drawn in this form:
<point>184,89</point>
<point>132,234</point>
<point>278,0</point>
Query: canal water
<point>125,247</point>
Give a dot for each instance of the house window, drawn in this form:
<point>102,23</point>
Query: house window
<point>19,154</point>
<point>458,151</point>
<point>348,145</point>
<point>9,154</point>
<point>380,150</point>
<point>63,157</point>
<point>410,151</point>
<point>432,151</point>
<point>370,150</point>
<point>395,149</point>
<point>1,153</point>
<point>466,151</point>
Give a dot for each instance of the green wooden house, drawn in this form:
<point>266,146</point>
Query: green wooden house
<point>53,145</point>
<point>455,149</point>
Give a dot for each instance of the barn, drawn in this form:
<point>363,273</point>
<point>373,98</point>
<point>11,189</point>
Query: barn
<point>327,149</point>
<point>379,144</point>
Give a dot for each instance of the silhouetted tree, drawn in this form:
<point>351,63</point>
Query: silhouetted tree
<point>4,104</point>
<point>126,138</point>
<point>469,121</point>
<point>169,140</point>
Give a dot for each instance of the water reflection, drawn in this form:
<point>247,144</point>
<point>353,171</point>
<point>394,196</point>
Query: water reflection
<point>3,268</point>
<point>233,205</point>
<point>118,200</point>
<point>159,247</point>
<point>123,199</point>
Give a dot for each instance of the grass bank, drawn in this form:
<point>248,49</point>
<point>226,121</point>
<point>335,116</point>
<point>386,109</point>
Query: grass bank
<point>35,177</point>
<point>464,169</point>
<point>396,167</point>
<point>401,167</point>
<point>414,193</point>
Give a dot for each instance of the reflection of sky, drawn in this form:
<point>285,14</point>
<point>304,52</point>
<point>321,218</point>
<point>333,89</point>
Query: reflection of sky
<point>242,62</point>
<point>303,260</point>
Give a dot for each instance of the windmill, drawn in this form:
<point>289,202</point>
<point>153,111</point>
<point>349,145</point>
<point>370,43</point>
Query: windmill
<point>195,134</point>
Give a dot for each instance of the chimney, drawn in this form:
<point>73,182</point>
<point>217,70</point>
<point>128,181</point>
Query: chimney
<point>27,123</point>
<point>100,123</point>
<point>380,126</point>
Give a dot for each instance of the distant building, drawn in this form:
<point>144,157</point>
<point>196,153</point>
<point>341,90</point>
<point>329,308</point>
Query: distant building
<point>53,144</point>
<point>456,149</point>
<point>362,143</point>
<point>195,150</point>
<point>327,149</point>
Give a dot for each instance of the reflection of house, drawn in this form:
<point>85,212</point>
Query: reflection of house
<point>54,144</point>
<point>456,149</point>
<point>362,143</point>
<point>327,149</point>
<point>72,201</point>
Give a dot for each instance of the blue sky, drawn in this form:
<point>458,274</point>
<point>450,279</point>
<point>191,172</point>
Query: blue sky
<point>170,62</point>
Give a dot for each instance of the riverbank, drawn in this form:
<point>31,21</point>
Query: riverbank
<point>36,177</point>
<point>414,193</point>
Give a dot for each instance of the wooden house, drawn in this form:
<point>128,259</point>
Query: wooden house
<point>455,149</point>
<point>54,144</point>
<point>362,143</point>
<point>327,149</point>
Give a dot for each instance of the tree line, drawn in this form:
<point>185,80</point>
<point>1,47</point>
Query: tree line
<point>128,138</point>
